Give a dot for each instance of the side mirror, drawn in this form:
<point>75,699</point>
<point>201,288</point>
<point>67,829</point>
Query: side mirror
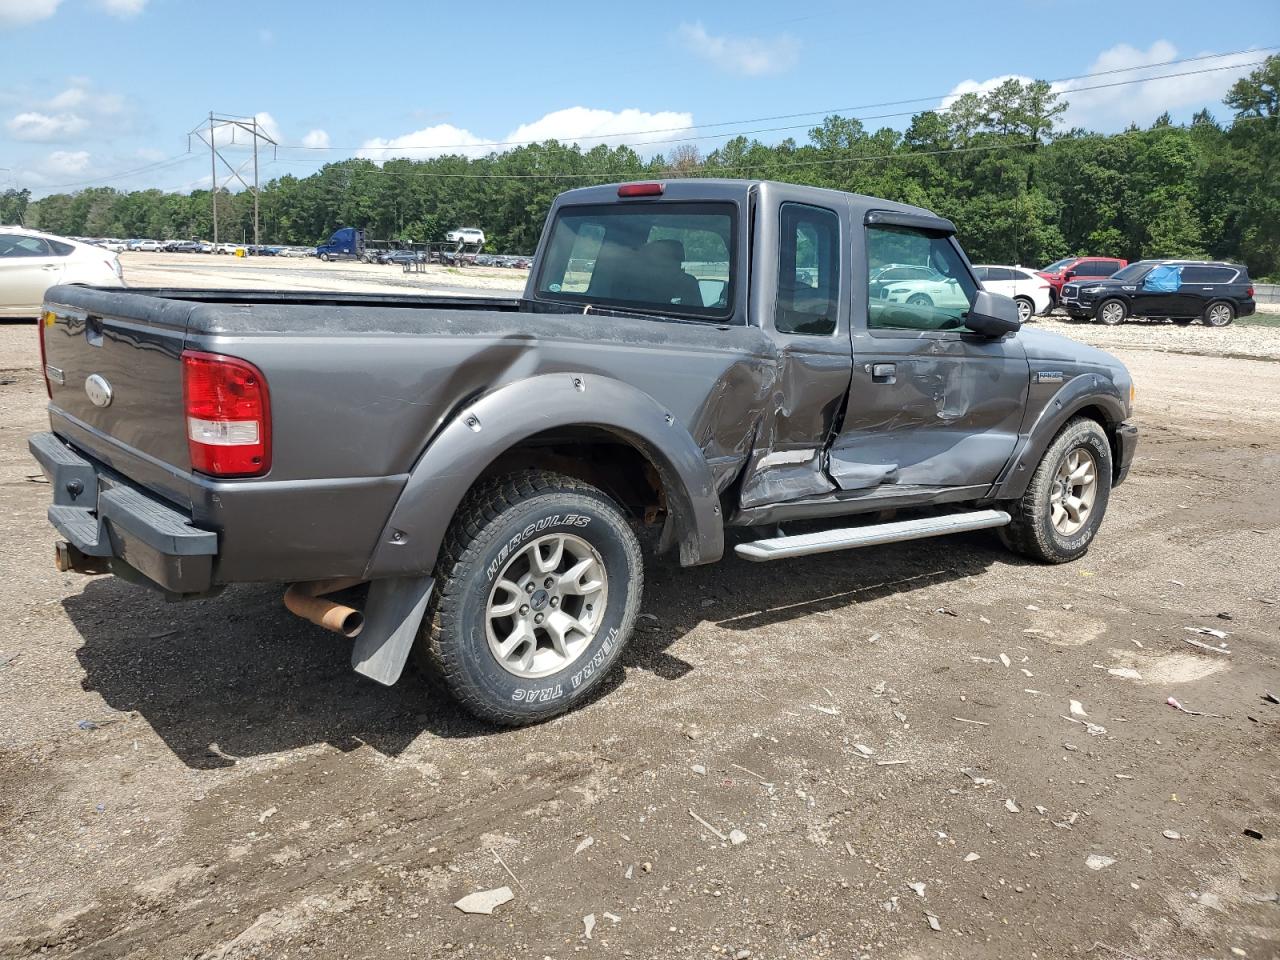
<point>992,315</point>
<point>1068,275</point>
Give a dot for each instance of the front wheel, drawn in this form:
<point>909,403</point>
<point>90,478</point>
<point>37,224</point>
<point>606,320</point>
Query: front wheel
<point>1112,312</point>
<point>538,587</point>
<point>920,300</point>
<point>324,257</point>
<point>1026,309</point>
<point>1058,516</point>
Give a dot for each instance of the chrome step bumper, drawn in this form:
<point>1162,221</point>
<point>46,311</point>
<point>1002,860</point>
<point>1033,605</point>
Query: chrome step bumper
<point>847,538</point>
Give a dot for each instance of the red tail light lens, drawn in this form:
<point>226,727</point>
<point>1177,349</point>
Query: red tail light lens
<point>1248,293</point>
<point>640,190</point>
<point>228,415</point>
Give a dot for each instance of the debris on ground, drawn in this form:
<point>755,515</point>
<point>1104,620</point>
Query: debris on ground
<point>830,711</point>
<point>718,834</point>
<point>972,857</point>
<point>485,901</point>
<point>863,749</point>
<point>1095,729</point>
<point>1251,833</point>
<point>1004,659</point>
<point>1192,713</point>
<point>1208,632</point>
<point>1012,807</point>
<point>267,814</point>
<point>916,888</point>
<point>933,922</point>
<point>86,725</point>
<point>586,842</point>
<point>976,723</point>
<point>699,769</point>
<point>1171,835</point>
<point>1270,697</point>
<point>1077,709</point>
<point>737,837</point>
<point>1096,861</point>
<point>588,924</point>
<point>1205,646</point>
<point>1125,673</point>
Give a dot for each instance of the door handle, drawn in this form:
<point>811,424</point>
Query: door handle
<point>50,266</point>
<point>882,372</point>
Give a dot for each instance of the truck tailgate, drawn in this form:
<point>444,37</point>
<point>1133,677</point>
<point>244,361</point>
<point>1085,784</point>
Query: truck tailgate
<point>114,364</point>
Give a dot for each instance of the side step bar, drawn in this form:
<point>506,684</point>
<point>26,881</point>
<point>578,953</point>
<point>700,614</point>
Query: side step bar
<point>826,541</point>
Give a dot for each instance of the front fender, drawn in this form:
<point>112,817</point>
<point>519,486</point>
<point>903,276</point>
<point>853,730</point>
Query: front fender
<point>494,423</point>
<point>1080,392</point>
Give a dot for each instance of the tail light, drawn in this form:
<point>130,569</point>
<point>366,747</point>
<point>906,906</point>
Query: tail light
<point>47,319</point>
<point>228,415</point>
<point>640,190</point>
<point>1249,293</point>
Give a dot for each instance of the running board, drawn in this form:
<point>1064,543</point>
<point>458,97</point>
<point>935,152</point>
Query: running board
<point>826,541</point>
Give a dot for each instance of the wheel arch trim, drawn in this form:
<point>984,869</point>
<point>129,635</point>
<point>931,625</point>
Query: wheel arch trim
<point>494,423</point>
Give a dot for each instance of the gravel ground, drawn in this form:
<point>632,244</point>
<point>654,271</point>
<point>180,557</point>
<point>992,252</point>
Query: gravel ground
<point>238,792</point>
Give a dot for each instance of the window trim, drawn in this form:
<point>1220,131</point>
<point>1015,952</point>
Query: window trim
<point>727,316</point>
<point>838,259</point>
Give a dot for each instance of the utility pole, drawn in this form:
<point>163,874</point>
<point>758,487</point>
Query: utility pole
<point>249,125</point>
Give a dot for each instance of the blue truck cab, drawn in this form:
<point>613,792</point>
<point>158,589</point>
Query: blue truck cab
<point>345,244</point>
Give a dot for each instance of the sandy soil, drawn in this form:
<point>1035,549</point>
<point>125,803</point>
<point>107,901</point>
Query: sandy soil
<point>238,792</point>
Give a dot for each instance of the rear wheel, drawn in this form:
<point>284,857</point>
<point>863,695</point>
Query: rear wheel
<point>538,587</point>
<point>1058,516</point>
<point>1112,312</point>
<point>1026,309</point>
<point>1218,314</point>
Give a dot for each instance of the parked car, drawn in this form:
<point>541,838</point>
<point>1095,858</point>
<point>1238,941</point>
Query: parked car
<point>500,484</point>
<point>115,246</point>
<point>887,274</point>
<point>204,246</point>
<point>1079,268</point>
<point>31,262</point>
<point>937,291</point>
<point>146,246</point>
<point>1030,291</point>
<point>468,235</point>
<point>1212,291</point>
<point>400,257</point>
<point>228,248</point>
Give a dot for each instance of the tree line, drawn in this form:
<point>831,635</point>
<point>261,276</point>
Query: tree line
<point>1019,189</point>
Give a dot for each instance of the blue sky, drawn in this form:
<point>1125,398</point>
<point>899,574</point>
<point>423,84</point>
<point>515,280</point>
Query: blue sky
<point>96,88</point>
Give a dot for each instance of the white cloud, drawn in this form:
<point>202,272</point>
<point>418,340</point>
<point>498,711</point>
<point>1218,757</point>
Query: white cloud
<point>79,94</point>
<point>1142,102</point>
<point>1117,103</point>
<point>316,139</point>
<point>67,162</point>
<point>45,128</point>
<point>17,12</point>
<point>749,56</point>
<point>582,125</point>
<point>123,8</point>
<point>267,124</point>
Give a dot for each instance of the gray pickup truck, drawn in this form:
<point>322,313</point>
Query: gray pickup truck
<point>469,476</point>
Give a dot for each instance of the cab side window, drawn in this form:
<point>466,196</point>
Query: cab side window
<point>808,271</point>
<point>939,292</point>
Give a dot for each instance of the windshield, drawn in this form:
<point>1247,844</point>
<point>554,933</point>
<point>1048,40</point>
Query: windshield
<point>1134,271</point>
<point>675,258</point>
<point>1058,265</point>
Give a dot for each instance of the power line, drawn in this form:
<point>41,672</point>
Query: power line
<point>831,111</point>
<point>167,162</point>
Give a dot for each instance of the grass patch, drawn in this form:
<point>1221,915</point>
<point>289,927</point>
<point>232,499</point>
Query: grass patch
<point>1260,319</point>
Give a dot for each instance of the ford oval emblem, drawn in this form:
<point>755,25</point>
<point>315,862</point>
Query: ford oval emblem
<point>99,390</point>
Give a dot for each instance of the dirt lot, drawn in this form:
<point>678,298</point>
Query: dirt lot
<point>236,791</point>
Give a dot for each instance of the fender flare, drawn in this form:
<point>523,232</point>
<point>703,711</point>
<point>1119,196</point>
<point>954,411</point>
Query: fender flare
<point>1081,391</point>
<point>485,428</point>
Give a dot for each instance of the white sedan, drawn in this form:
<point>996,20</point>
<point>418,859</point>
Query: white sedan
<point>1032,292</point>
<point>31,262</point>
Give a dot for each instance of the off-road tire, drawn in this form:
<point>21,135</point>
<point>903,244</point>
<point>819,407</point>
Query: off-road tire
<point>1032,532</point>
<point>1119,318</point>
<point>1218,314</point>
<point>499,515</point>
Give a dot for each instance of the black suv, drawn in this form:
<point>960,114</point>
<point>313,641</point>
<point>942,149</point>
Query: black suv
<point>1182,290</point>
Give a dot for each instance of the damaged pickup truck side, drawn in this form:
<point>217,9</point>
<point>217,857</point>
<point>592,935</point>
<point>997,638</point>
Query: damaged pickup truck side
<point>470,475</point>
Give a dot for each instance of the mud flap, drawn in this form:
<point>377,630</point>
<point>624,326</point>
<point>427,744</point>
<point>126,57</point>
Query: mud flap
<point>393,613</point>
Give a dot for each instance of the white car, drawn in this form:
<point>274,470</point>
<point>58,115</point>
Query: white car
<point>31,262</point>
<point>1032,292</point>
<point>147,246</point>
<point>230,248</point>
<point>110,243</point>
<point>465,235</point>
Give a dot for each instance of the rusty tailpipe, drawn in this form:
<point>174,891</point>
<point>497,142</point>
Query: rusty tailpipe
<point>307,601</point>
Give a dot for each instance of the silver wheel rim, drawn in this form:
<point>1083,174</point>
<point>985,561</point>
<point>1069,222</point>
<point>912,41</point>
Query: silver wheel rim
<point>1024,311</point>
<point>1112,313</point>
<point>919,300</point>
<point>546,605</point>
<point>1219,314</point>
<point>1075,488</point>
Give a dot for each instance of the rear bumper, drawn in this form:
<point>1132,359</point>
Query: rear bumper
<point>1126,446</point>
<point>111,523</point>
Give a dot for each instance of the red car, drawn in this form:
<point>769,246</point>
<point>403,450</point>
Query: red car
<point>1079,268</point>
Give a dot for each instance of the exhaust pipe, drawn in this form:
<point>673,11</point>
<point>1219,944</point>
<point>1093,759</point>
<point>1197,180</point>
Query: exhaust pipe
<point>306,600</point>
